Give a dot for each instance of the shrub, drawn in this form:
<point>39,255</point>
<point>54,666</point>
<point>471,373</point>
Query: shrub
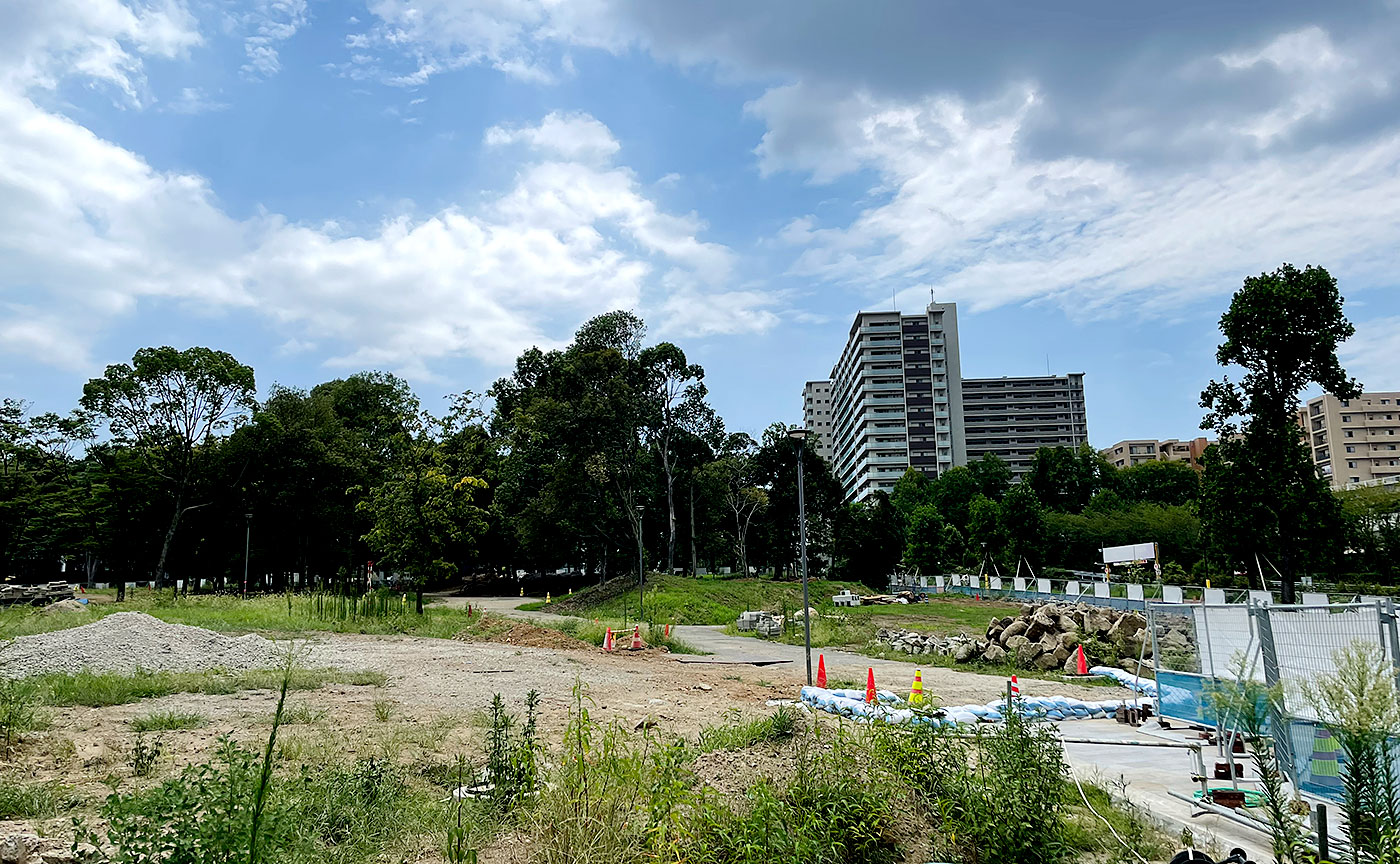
<point>19,713</point>
<point>736,734</point>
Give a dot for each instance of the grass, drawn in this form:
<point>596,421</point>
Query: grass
<point>34,800</point>
<point>101,689</point>
<point>691,599</point>
<point>737,734</point>
<point>268,615</point>
<point>594,633</point>
<point>167,721</point>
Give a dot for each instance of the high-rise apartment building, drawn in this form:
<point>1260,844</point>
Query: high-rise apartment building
<point>897,400</point>
<point>1136,451</point>
<point>816,415</point>
<point>897,403</point>
<point>1014,417</point>
<point>1354,441</point>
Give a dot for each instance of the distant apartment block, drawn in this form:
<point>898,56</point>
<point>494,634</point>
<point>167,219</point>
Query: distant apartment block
<point>897,399</point>
<point>1014,417</point>
<point>816,415</point>
<point>1355,442</point>
<point>1136,451</point>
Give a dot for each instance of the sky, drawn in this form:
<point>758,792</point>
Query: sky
<point>430,186</point>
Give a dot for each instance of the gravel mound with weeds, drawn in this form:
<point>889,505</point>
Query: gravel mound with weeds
<point>130,641</point>
<point>526,635</point>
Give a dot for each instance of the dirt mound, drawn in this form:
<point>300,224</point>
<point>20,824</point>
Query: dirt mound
<point>527,635</point>
<point>69,605</point>
<point>130,641</point>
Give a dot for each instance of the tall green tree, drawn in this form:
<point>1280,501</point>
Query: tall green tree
<point>1023,520</point>
<point>868,540</point>
<point>422,510</point>
<point>736,474</point>
<point>1261,491</point>
<point>992,474</point>
<point>1166,483</point>
<point>1067,479</point>
<point>168,403</point>
<point>675,407</point>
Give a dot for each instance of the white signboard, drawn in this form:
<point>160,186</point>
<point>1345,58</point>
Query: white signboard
<point>1133,552</point>
<point>1019,583</point>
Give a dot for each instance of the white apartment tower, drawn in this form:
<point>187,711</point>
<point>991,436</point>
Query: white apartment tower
<point>896,398</point>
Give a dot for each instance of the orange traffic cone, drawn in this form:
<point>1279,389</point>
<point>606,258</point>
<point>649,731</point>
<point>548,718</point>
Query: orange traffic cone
<point>608,640</point>
<point>821,671</point>
<point>870,686</point>
<point>916,695</point>
<point>637,638</point>
<point>1082,667</point>
<point>1015,687</point>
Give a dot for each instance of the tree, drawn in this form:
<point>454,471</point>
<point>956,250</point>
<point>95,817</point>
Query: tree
<point>953,493</point>
<point>984,529</point>
<point>927,541</point>
<point>1023,520</point>
<point>676,393</point>
<point>1067,479</point>
<point>777,468</point>
<point>868,540</point>
<point>736,474</point>
<point>1283,329</point>
<point>420,511</point>
<point>992,474</point>
<point>1165,483</point>
<point>168,403</point>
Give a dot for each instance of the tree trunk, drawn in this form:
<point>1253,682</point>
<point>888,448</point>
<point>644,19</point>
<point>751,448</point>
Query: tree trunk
<point>169,537</point>
<point>671,517</point>
<point>694,559</point>
<point>121,588</point>
<point>418,599</point>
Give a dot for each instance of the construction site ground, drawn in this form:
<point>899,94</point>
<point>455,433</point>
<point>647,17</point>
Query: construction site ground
<point>437,691</point>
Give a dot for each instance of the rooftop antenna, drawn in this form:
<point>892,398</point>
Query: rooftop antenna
<point>894,302</point>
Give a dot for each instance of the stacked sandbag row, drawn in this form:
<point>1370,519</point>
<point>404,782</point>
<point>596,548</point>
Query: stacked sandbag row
<point>887,709</point>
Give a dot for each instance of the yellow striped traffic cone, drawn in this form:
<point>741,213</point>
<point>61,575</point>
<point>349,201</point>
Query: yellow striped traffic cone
<point>916,695</point>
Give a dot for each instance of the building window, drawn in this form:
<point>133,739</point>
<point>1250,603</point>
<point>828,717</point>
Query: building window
<point>1356,479</point>
<point>1346,418</point>
<point>1351,463</point>
<point>1351,449</point>
<point>1346,403</point>
<point>1348,433</point>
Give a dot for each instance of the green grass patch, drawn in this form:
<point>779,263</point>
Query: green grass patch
<point>675,599</point>
<point>737,734</point>
<point>19,800</point>
<point>167,721</point>
<point>102,689</point>
<point>269,615</point>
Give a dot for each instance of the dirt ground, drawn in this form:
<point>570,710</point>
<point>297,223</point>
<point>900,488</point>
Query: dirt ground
<point>433,708</point>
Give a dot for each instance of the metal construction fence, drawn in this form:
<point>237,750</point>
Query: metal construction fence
<point>1099,592</point>
<point>1197,647</point>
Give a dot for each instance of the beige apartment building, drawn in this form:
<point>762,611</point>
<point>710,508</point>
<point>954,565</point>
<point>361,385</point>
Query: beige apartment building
<point>1139,450</point>
<point>1354,441</point>
<point>816,415</point>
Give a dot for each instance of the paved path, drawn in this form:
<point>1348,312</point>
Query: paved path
<point>1149,772</point>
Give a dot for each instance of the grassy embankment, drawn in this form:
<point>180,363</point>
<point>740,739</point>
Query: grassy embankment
<point>670,599</point>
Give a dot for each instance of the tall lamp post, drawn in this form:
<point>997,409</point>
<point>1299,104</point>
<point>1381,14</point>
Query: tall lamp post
<point>641,568</point>
<point>800,436</point>
<point>247,544</point>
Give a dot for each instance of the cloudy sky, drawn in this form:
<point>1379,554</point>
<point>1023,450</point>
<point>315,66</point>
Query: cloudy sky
<point>429,186</point>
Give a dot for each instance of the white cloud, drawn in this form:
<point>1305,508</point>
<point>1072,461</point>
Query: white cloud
<point>270,22</point>
<point>573,136</point>
<point>102,40</point>
<point>193,100</point>
<point>960,206</point>
<point>1373,354</point>
<point>92,229</point>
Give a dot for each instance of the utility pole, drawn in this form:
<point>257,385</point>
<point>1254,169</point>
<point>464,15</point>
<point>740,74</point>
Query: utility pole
<point>800,436</point>
<point>247,544</point>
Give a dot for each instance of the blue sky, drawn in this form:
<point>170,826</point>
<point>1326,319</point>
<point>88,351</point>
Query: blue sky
<point>429,186</point>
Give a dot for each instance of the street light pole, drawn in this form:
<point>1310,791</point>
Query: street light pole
<point>247,544</point>
<point>641,568</point>
<point>800,435</point>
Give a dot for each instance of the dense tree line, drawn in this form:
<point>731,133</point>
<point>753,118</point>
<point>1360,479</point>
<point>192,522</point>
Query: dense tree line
<point>169,468</point>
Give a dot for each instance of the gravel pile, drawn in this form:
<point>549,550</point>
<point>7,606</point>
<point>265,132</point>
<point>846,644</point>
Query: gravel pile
<point>130,641</point>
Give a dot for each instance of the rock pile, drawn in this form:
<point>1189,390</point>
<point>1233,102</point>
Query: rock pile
<point>130,641</point>
<point>1043,637</point>
<point>960,648</point>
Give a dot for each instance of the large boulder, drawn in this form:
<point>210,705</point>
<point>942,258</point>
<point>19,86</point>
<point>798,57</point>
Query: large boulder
<point>1041,623</point>
<point>1070,639</point>
<point>1046,662</point>
<point>964,652</point>
<point>1014,629</point>
<point>994,653</point>
<point>1026,654</point>
<point>1126,627</point>
<point>1015,643</point>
